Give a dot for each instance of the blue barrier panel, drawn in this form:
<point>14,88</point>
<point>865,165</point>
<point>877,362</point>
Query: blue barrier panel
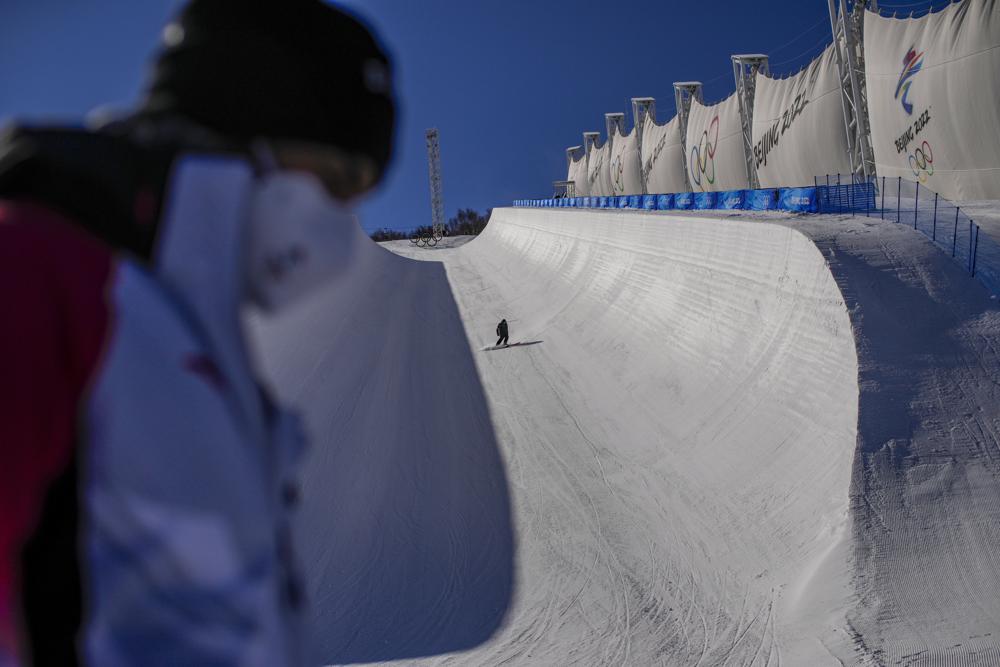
<point>664,202</point>
<point>731,199</point>
<point>621,202</point>
<point>586,202</point>
<point>703,200</point>
<point>602,202</point>
<point>802,200</point>
<point>648,202</point>
<point>634,201</point>
<point>683,200</point>
<point>762,200</point>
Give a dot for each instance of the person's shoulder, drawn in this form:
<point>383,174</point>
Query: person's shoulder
<point>53,275</point>
<point>31,233</point>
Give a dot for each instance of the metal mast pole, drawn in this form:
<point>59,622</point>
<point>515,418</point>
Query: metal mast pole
<point>848,43</point>
<point>614,123</point>
<point>745,68</point>
<point>434,169</point>
<point>590,140</point>
<point>570,186</point>
<point>684,92</point>
<point>641,108</point>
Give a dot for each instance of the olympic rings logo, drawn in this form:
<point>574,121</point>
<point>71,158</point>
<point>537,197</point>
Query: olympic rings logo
<point>703,156</point>
<point>922,162</point>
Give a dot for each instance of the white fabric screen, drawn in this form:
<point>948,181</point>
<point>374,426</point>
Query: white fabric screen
<point>578,174</point>
<point>798,125</point>
<point>715,147</point>
<point>598,170</point>
<point>934,98</point>
<point>624,167</point>
<point>663,157</point>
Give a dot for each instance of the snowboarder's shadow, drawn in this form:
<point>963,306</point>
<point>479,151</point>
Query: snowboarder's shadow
<point>519,344</point>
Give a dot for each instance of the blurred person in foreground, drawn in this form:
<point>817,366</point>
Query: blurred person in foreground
<point>147,481</point>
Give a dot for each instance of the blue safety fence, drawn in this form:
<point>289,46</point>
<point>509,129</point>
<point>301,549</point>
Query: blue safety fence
<point>893,199</point>
<point>909,203</point>
<point>802,200</point>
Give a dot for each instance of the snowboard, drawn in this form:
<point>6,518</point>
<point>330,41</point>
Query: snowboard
<point>504,347</point>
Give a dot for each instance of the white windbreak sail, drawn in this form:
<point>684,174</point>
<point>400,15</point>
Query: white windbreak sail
<point>715,147</point>
<point>934,98</point>
<point>578,174</point>
<point>798,125</point>
<point>663,157</point>
<point>624,167</point>
<point>598,169</point>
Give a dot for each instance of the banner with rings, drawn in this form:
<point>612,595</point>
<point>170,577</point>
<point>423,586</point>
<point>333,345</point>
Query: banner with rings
<point>715,147</point>
<point>798,125</point>
<point>578,174</point>
<point>663,156</point>
<point>624,166</point>
<point>934,98</point>
<point>598,169</point>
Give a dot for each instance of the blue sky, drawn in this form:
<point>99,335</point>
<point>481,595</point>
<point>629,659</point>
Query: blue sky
<point>509,83</point>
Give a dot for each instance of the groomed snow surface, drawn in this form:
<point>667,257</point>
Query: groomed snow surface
<point>722,441</point>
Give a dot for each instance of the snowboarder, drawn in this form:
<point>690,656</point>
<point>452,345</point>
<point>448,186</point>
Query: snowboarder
<point>127,254</point>
<point>502,332</point>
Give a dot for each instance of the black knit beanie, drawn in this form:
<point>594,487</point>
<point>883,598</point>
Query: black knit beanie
<point>279,69</point>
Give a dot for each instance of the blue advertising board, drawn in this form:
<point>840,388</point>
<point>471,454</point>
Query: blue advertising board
<point>762,200</point>
<point>800,200</point>
<point>704,200</point>
<point>665,202</point>
<point>731,199</point>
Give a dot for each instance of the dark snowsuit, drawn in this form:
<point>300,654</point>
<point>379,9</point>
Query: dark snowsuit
<point>502,332</point>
